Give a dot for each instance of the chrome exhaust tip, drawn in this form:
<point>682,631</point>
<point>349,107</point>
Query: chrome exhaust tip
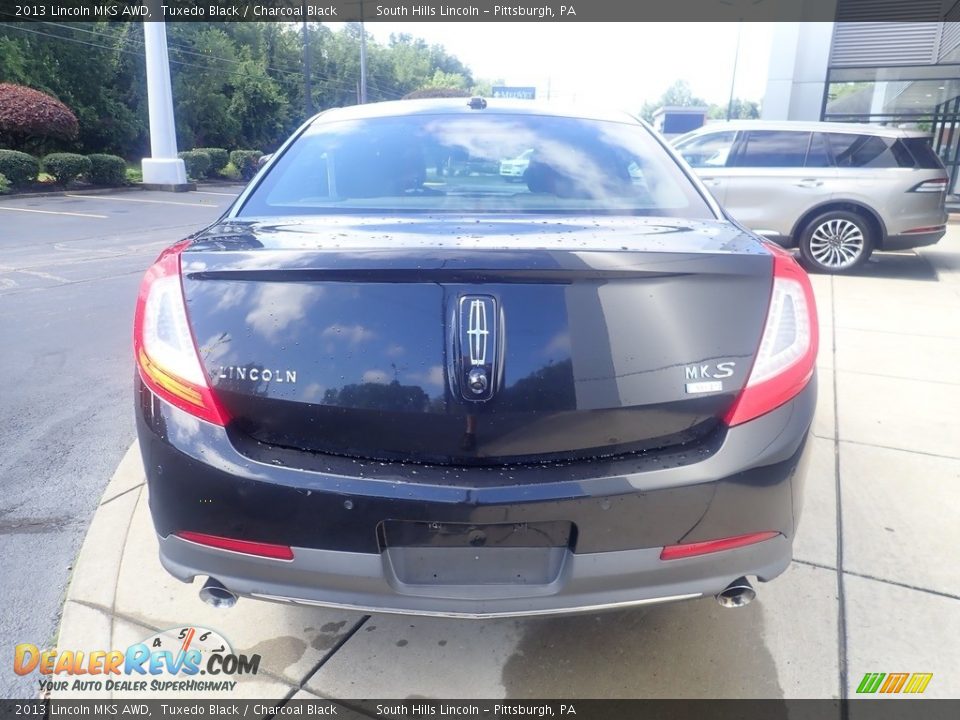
<point>737,594</point>
<point>214,594</point>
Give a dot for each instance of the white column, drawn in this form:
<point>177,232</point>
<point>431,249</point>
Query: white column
<point>797,73</point>
<point>163,167</point>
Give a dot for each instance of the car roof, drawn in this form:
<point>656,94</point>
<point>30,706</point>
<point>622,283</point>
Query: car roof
<point>809,126</point>
<point>461,106</point>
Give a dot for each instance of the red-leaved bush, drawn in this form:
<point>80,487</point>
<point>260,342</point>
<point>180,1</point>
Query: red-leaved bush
<point>27,114</point>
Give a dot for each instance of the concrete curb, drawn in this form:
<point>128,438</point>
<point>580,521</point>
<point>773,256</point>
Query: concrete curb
<point>126,188</point>
<point>96,570</point>
<point>119,595</point>
<point>78,191</point>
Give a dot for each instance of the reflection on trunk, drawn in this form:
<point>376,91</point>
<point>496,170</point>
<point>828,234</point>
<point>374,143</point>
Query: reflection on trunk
<point>392,397</point>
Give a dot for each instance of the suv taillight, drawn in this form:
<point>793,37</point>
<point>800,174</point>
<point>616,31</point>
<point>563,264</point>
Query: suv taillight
<point>163,344</point>
<point>788,348</point>
<point>931,186</point>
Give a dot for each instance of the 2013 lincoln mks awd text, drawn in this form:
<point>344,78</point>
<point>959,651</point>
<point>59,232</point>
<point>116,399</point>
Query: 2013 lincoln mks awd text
<point>391,378</point>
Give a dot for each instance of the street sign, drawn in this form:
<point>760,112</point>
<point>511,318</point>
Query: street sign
<point>514,92</point>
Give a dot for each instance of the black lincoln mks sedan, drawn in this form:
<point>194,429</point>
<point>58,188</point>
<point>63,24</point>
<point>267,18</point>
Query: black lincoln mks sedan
<point>392,378</point>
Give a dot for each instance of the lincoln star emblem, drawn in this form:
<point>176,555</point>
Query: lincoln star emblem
<point>478,332</point>
<point>478,355</point>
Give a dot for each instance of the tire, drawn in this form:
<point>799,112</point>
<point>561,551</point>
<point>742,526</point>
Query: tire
<point>836,242</point>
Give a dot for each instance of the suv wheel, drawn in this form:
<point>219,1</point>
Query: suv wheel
<point>835,242</point>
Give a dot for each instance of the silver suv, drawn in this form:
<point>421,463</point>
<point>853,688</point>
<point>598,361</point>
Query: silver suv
<point>837,191</point>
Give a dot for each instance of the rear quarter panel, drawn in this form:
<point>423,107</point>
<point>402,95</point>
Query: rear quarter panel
<point>886,192</point>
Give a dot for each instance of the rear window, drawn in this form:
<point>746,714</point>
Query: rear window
<point>476,164</point>
<point>774,149</point>
<point>923,153</point>
<point>868,151</point>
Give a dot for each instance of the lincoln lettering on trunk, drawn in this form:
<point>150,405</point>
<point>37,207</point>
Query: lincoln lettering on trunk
<point>257,374</point>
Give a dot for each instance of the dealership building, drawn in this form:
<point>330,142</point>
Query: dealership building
<point>904,73</point>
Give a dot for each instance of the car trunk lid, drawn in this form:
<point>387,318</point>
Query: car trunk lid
<point>358,336</point>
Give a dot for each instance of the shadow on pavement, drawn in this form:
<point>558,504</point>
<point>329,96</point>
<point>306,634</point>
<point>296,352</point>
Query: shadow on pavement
<point>692,649</point>
<point>898,266</point>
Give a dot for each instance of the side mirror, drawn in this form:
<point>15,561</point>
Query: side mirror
<point>264,159</point>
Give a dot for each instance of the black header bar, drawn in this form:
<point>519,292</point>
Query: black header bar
<point>895,708</point>
<point>463,11</point>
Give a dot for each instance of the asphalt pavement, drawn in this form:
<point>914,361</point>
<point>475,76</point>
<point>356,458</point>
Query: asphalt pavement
<point>69,271</point>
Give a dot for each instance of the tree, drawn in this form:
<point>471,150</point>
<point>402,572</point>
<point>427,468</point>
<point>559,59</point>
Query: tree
<point>679,94</point>
<point>740,110</point>
<point>443,79</point>
<point>31,118</point>
<point>235,85</point>
<point>484,87</point>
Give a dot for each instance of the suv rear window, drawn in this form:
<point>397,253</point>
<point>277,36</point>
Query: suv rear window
<point>923,153</point>
<point>868,151</point>
<point>494,163</point>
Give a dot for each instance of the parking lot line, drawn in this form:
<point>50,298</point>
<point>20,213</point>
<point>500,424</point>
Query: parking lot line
<point>208,192</point>
<point>34,273</point>
<point>55,212</point>
<point>136,200</point>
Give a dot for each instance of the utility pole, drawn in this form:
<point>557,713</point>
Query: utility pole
<point>733,79</point>
<point>363,59</point>
<point>307,88</point>
<point>163,169</point>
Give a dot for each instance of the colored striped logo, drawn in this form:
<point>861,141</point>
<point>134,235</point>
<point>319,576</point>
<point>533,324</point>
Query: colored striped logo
<point>889,683</point>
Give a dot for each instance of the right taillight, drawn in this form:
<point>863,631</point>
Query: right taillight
<point>163,344</point>
<point>931,186</point>
<point>788,348</point>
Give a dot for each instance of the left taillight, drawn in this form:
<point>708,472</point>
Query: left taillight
<point>787,355</point>
<point>163,344</point>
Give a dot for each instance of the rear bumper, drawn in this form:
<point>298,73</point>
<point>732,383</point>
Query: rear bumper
<point>748,479</point>
<point>369,582</point>
<point>913,240</point>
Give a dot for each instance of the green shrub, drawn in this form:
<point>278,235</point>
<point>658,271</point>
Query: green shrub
<point>230,172</point>
<point>134,175</point>
<point>218,158</point>
<point>4,184</point>
<point>66,166</point>
<point>246,162</point>
<point>19,168</point>
<point>107,170</point>
<point>197,162</point>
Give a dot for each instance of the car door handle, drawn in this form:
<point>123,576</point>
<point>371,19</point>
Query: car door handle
<point>809,183</point>
<point>710,181</point>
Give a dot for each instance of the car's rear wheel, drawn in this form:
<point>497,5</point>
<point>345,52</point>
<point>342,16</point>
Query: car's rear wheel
<point>835,242</point>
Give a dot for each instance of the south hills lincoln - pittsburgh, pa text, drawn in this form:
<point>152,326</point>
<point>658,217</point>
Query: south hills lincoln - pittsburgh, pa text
<point>510,11</point>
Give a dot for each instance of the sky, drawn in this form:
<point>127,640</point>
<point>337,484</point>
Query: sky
<point>616,64</point>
